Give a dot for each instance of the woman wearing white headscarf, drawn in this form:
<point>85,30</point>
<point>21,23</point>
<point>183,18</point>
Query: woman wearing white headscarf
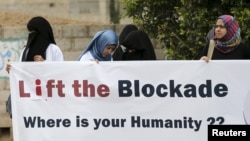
<point>100,47</point>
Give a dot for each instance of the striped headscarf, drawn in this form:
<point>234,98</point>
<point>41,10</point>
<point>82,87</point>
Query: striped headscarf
<point>232,38</point>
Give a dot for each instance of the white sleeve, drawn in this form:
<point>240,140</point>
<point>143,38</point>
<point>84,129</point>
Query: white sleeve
<point>87,57</point>
<point>54,53</point>
<point>21,55</point>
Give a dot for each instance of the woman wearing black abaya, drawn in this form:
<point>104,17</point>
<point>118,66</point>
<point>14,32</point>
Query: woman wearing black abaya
<point>138,46</point>
<point>41,46</point>
<point>118,53</point>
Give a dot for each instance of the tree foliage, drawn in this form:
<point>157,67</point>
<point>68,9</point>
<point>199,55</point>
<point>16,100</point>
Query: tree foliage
<point>182,25</point>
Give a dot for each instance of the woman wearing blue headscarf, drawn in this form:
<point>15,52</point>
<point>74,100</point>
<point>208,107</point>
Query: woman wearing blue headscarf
<point>100,47</point>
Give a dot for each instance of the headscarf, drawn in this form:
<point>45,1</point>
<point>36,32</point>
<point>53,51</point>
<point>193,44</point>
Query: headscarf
<point>98,44</point>
<point>126,30</point>
<point>39,39</point>
<point>232,38</point>
<point>141,43</point>
<point>118,53</point>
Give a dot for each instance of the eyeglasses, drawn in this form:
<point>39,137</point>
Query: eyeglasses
<point>219,26</point>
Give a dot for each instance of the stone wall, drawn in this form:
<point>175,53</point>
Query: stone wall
<point>83,10</point>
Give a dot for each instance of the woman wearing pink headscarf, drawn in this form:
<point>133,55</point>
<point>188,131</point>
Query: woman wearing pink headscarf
<point>228,42</point>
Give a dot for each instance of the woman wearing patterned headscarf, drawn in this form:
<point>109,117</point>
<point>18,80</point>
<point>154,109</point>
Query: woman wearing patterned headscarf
<point>228,42</point>
<point>100,47</point>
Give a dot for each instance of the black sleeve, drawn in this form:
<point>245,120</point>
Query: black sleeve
<point>204,51</point>
<point>118,54</point>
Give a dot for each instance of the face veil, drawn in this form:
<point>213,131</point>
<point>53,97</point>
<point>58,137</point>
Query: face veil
<point>40,36</point>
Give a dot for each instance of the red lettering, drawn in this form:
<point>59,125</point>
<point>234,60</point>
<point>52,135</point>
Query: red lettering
<point>87,86</point>
<point>38,87</point>
<point>49,87</point>
<point>76,87</point>
<point>89,90</point>
<point>51,84</point>
<point>21,90</point>
<point>60,87</point>
<point>103,90</point>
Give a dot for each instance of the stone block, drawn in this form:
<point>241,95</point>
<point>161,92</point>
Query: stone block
<point>72,31</point>
<point>64,43</point>
<point>96,28</point>
<point>81,43</point>
<point>72,55</point>
<point>57,30</point>
<point>14,32</point>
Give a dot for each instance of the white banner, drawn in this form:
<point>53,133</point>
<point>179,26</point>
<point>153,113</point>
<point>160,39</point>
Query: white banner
<point>137,100</point>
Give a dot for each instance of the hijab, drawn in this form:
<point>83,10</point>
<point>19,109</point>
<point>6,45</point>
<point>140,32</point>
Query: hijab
<point>232,38</point>
<point>97,45</point>
<point>126,30</point>
<point>141,44</point>
<point>118,53</point>
<point>41,35</point>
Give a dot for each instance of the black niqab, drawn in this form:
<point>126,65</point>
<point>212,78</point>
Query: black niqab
<point>41,35</point>
<point>141,44</point>
<point>118,53</point>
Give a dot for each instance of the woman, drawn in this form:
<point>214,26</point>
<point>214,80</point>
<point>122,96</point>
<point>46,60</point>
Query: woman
<point>227,39</point>
<point>41,46</point>
<point>100,47</point>
<point>118,53</point>
<point>138,46</point>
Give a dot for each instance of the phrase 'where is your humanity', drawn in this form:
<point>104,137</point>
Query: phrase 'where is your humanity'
<point>98,123</point>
